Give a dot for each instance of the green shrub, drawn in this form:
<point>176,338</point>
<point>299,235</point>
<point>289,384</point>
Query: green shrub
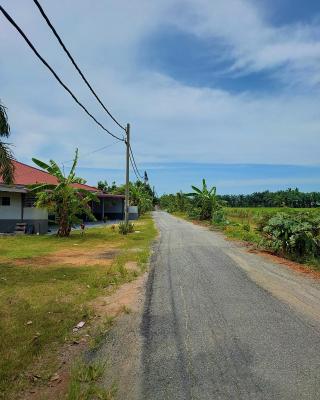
<point>261,220</point>
<point>296,235</point>
<point>219,218</point>
<point>125,228</point>
<point>194,213</point>
<point>246,227</point>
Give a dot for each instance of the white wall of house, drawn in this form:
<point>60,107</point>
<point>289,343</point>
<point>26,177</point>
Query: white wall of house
<point>13,211</point>
<point>35,213</point>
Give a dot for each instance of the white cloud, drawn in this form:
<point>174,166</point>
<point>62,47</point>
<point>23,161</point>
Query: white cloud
<point>171,121</point>
<point>252,42</point>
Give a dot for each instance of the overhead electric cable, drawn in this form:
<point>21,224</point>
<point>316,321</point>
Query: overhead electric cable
<point>74,63</point>
<point>134,161</point>
<point>92,152</point>
<point>133,168</point>
<point>8,17</point>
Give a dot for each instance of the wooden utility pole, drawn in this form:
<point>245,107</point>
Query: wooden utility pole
<point>126,206</point>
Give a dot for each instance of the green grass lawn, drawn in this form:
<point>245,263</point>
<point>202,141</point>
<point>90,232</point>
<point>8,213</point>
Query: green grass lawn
<point>40,304</point>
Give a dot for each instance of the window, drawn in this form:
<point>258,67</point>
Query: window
<point>29,200</point>
<point>5,201</point>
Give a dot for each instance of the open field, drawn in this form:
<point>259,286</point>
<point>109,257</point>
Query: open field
<point>48,285</point>
<point>249,215</point>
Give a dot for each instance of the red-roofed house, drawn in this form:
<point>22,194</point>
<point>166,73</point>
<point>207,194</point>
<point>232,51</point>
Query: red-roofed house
<point>17,202</point>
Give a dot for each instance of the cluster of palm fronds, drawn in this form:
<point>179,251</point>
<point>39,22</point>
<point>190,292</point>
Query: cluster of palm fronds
<point>6,156</point>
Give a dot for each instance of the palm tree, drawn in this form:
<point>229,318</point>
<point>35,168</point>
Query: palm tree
<point>6,156</point>
<point>64,200</point>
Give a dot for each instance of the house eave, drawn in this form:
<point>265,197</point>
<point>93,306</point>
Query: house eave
<point>13,188</point>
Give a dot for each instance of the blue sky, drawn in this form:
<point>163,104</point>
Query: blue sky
<point>222,89</point>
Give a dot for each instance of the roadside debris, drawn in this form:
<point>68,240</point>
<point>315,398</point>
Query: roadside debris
<point>78,326</point>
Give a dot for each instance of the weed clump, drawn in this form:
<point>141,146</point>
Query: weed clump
<point>125,228</point>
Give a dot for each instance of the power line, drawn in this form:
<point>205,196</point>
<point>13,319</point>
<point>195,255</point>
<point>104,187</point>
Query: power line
<point>134,161</point>
<point>133,168</point>
<point>8,17</point>
<point>74,63</point>
<point>92,152</point>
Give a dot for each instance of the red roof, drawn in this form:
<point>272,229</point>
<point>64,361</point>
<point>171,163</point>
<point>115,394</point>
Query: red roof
<point>26,175</point>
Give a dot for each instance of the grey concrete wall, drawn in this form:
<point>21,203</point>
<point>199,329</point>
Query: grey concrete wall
<point>10,215</point>
<point>33,213</point>
<point>8,225</point>
<point>133,212</point>
<point>14,210</point>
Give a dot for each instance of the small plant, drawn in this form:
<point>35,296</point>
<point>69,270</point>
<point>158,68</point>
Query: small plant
<point>84,382</point>
<point>125,228</point>
<point>219,218</point>
<point>126,309</point>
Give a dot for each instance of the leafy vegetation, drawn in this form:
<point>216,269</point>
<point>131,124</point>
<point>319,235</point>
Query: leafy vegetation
<point>42,300</point>
<point>125,228</point>
<point>65,200</point>
<point>84,383</point>
<point>6,156</point>
<point>295,235</point>
<point>200,204</point>
<point>203,201</point>
<point>140,194</point>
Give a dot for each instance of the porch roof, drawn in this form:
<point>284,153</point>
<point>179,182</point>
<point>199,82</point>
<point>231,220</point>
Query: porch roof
<point>110,196</point>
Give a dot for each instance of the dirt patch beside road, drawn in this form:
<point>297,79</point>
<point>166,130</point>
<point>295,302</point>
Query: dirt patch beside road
<point>124,304</point>
<point>102,255</point>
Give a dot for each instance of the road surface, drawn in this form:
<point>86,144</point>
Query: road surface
<point>220,323</point>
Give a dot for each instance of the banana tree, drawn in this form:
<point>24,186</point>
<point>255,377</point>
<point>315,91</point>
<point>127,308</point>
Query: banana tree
<point>204,199</point>
<point>66,201</point>
<point>6,156</point>
<point>140,197</point>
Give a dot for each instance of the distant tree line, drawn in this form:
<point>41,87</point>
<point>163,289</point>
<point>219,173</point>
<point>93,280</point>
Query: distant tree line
<point>282,198</point>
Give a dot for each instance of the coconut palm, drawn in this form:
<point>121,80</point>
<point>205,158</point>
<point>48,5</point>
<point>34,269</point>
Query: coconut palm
<point>6,156</point>
<point>64,200</point>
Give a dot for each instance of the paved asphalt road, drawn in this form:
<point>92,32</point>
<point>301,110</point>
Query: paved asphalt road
<point>220,323</point>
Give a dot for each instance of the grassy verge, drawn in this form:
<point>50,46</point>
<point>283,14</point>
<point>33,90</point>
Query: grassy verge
<point>40,304</point>
<point>84,382</point>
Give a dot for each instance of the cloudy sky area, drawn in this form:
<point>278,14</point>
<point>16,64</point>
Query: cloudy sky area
<point>223,89</point>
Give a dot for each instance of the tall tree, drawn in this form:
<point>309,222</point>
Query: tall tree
<point>6,156</point>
